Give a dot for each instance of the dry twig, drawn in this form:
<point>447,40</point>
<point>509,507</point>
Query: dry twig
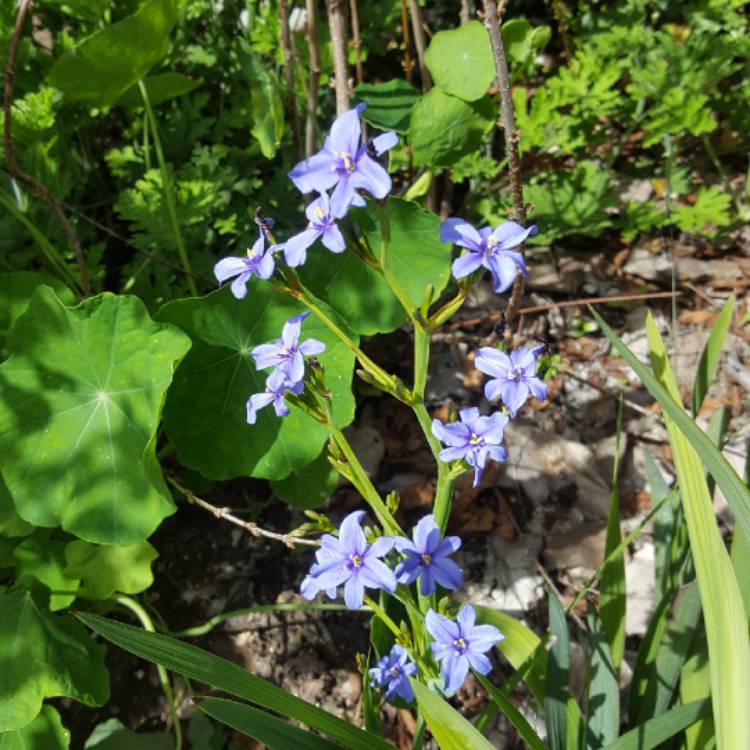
<point>337,25</point>
<point>286,52</point>
<point>420,42</point>
<point>356,40</point>
<point>312,89</point>
<point>41,190</point>
<point>249,526</point>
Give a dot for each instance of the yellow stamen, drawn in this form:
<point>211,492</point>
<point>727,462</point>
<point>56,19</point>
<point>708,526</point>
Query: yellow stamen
<point>320,213</point>
<point>356,561</point>
<point>426,559</point>
<point>474,439</point>
<point>346,157</point>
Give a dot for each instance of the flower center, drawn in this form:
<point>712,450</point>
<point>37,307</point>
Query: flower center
<point>355,560</point>
<point>320,213</point>
<point>475,439</point>
<point>349,165</point>
<point>395,672</point>
<point>426,559</point>
<point>517,375</point>
<point>460,645</point>
<point>491,242</point>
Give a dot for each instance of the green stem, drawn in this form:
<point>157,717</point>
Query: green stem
<point>421,362</point>
<point>145,619</point>
<point>166,180</point>
<point>419,733</point>
<point>365,487</point>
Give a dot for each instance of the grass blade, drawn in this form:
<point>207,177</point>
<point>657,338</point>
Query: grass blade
<point>709,360</point>
<point>200,665</point>
<point>613,600</point>
<point>735,492</point>
<point>557,690</point>
<point>723,610</point>
<point>450,730</point>
<point>603,723</point>
<point>274,733</point>
<point>658,730</point>
<point>515,717</point>
<point>664,529</point>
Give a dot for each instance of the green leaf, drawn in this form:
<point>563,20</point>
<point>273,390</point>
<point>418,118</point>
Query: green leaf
<point>460,61</point>
<point>112,735</point>
<point>517,719</point>
<point>267,729</point>
<point>444,128</point>
<point>723,609</point>
<point>450,730</point>
<point>46,732</point>
<point>603,723</point>
<point>103,570</point>
<point>265,102</point>
<point>205,414</point>
<point>658,730</point>
<point>44,559</point>
<point>204,734</point>
<point>695,685</point>
<point>711,355</point>
<point>11,524</point>
<point>160,88</point>
<point>358,292</point>
<point>556,688</point>
<point>44,656</point>
<point>664,528</point>
<point>709,212</point>
<point>731,485</point>
<point>200,665</point>
<point>613,596</point>
<point>16,291</point>
<point>310,486</point>
<point>389,104</point>
<point>80,404</point>
<point>106,64</point>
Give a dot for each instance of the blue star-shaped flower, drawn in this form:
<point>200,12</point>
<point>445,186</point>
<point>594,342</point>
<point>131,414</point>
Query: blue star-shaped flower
<point>392,674</point>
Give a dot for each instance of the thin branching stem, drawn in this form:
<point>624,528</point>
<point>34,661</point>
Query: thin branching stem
<point>420,42</point>
<point>291,96</point>
<point>314,83</point>
<point>337,26</point>
<point>356,40</point>
<point>10,158</point>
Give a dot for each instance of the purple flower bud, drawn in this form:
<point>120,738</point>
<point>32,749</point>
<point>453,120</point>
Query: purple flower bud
<point>392,674</point>
<point>461,644</point>
<point>427,558</point>
<point>513,377</point>
<point>350,560</point>
<point>474,439</point>
<point>489,248</point>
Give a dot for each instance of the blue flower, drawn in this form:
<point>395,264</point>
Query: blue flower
<point>474,439</point>
<point>513,378</point>
<point>392,674</point>
<point>344,162</point>
<point>489,248</point>
<point>322,224</point>
<point>286,353</point>
<point>461,644</point>
<point>258,262</point>
<point>427,558</point>
<point>350,560</point>
<point>277,384</point>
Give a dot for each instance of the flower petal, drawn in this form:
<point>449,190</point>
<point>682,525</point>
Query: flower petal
<point>460,232</point>
<point>317,172</point>
<point>295,248</point>
<point>422,532</point>
<point>351,537</point>
<point>239,285</point>
<point>442,629</point>
<point>256,402</point>
<point>493,362</point>
<point>510,234</point>
<point>384,142</point>
<point>503,270</point>
<point>381,546</point>
<point>354,592</point>
<point>226,268</point>
<point>466,618</point>
<point>454,670</point>
<point>266,265</point>
<point>372,177</point>
<point>453,454</point>
<point>453,433</point>
<point>466,264</point>
<point>280,407</point>
<point>311,347</point>
<point>377,575</point>
<point>346,131</point>
<point>447,573</point>
<point>343,196</point>
<point>334,240</point>
<point>447,546</point>
<point>479,662</point>
<point>538,388</point>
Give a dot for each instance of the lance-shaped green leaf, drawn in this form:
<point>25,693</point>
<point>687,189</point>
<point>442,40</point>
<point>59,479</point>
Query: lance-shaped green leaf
<point>460,61</point>
<point>44,559</point>
<point>46,732</point>
<point>43,656</point>
<point>80,399</point>
<point>205,414</point>
<point>103,570</point>
<point>358,292</point>
<point>160,88</point>
<point>106,64</point>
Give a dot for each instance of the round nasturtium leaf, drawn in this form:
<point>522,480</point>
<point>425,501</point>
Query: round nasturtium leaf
<point>11,524</point>
<point>310,486</point>
<point>205,412</point>
<point>444,128</point>
<point>44,656</point>
<point>46,732</point>
<point>44,559</point>
<point>80,399</point>
<point>103,570</point>
<point>358,292</point>
<point>460,61</point>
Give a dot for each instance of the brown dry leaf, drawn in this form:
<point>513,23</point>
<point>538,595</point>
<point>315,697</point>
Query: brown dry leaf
<point>697,317</point>
<point>473,378</point>
<point>417,496</point>
<point>581,547</point>
<point>635,501</point>
<point>478,521</point>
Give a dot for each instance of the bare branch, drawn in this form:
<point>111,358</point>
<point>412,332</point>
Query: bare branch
<point>467,6</point>
<point>337,25</point>
<point>41,190</point>
<point>286,51</point>
<point>417,25</point>
<point>356,40</point>
<point>408,64</point>
<point>313,86</point>
<point>225,514</point>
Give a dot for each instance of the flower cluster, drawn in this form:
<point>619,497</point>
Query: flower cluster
<point>346,164</point>
<point>351,560</point>
<point>287,356</point>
